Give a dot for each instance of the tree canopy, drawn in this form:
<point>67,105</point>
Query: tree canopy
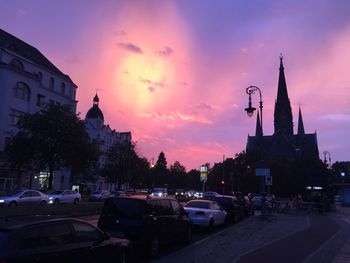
<point>56,138</point>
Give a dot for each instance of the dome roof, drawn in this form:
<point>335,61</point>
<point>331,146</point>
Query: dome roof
<point>94,113</point>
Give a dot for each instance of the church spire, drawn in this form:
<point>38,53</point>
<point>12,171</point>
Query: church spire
<point>258,130</point>
<point>301,130</point>
<point>283,111</point>
<point>96,100</point>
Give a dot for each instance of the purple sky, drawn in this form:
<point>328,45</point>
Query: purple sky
<point>175,72</point>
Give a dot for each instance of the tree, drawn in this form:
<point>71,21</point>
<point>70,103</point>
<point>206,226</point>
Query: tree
<point>57,138</point>
<point>121,157</point>
<point>177,175</point>
<point>160,172</point>
<point>18,151</point>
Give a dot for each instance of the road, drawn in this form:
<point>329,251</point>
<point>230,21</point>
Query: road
<point>293,237</point>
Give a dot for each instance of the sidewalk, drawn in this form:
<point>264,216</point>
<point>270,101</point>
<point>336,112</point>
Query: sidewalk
<point>288,238</point>
<point>244,237</point>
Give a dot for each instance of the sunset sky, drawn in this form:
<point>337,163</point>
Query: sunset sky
<point>174,73</point>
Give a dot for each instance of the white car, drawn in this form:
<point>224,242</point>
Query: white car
<point>205,213</point>
<point>64,197</point>
<point>24,197</point>
<point>99,195</point>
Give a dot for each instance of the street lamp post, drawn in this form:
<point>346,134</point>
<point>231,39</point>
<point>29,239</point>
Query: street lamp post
<point>250,110</point>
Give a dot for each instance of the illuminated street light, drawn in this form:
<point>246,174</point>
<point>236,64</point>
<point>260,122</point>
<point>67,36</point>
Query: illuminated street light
<point>250,110</point>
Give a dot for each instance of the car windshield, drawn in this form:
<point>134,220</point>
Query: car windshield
<point>223,200</point>
<point>56,193</point>
<point>198,204</point>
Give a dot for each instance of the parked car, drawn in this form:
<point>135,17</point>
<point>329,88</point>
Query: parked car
<point>180,193</point>
<point>256,201</point>
<point>194,194</point>
<point>205,213</point>
<point>244,201</point>
<point>99,195</point>
<point>209,195</point>
<point>147,222</point>
<point>64,197</point>
<point>24,197</point>
<point>159,192</point>
<point>234,209</point>
<point>60,240</point>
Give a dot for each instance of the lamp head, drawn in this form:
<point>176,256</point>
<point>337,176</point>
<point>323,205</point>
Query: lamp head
<point>250,110</point>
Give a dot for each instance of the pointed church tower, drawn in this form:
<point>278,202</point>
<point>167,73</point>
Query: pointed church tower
<point>301,130</point>
<point>283,111</point>
<point>258,130</point>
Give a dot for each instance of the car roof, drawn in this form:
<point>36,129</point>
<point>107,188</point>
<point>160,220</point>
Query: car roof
<point>14,224</point>
<point>142,197</point>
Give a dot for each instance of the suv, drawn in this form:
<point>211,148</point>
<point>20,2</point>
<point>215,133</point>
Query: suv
<point>146,222</point>
<point>59,240</point>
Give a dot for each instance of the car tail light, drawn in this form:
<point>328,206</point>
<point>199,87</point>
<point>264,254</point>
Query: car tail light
<point>200,213</point>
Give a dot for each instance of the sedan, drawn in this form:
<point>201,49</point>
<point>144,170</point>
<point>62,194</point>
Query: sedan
<point>24,197</point>
<point>205,213</point>
<point>64,197</point>
<point>99,195</point>
<point>60,240</point>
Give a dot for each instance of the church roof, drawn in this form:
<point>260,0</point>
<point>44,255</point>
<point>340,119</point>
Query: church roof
<point>15,45</point>
<point>94,112</point>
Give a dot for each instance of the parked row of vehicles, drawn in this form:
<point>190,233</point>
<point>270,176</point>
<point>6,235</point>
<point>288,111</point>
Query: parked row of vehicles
<point>33,197</point>
<point>127,224</point>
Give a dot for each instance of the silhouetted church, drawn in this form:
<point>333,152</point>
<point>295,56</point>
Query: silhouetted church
<point>283,144</point>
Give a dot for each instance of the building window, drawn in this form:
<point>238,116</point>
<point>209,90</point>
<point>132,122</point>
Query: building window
<point>40,100</point>
<point>63,88</point>
<point>21,91</point>
<point>52,83</point>
<point>15,116</point>
<point>17,64</point>
<point>40,76</point>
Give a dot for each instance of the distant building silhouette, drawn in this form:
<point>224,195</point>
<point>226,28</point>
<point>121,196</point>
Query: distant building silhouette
<point>104,135</point>
<point>28,82</point>
<point>283,143</point>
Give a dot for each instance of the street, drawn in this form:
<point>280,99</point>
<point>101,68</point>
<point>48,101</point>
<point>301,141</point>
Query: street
<point>292,237</point>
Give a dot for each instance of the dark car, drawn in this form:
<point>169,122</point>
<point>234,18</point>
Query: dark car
<point>234,210</point>
<point>60,240</point>
<point>246,202</point>
<point>147,222</point>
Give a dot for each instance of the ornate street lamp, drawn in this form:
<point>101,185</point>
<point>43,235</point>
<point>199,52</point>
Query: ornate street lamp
<point>250,110</point>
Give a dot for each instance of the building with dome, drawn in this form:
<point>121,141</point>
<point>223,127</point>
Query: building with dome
<point>104,135</point>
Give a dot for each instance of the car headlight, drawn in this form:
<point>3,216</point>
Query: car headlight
<point>160,194</point>
<point>50,198</point>
<point>2,201</point>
